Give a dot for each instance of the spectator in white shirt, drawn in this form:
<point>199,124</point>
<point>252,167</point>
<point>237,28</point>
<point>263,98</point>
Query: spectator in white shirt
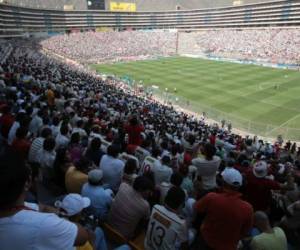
<point>46,158</point>
<point>62,139</point>
<point>55,126</point>
<point>165,220</point>
<point>79,129</point>
<point>22,228</point>
<point>162,173</point>
<point>95,133</point>
<point>164,149</point>
<point>20,118</point>
<point>175,181</point>
<point>36,123</point>
<point>207,167</point>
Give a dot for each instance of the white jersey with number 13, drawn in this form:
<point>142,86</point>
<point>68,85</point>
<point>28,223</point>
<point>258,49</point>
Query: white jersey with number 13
<point>166,230</point>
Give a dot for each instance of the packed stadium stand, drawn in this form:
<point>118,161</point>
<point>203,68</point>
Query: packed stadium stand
<point>276,45</point>
<point>88,162</point>
<point>273,45</point>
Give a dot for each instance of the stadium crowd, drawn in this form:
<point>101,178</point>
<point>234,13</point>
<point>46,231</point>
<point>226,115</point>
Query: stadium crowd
<point>265,45</point>
<point>82,157</point>
<point>94,47</point>
<point>275,45</point>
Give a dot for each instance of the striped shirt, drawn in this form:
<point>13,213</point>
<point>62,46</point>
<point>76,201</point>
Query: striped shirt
<point>36,145</point>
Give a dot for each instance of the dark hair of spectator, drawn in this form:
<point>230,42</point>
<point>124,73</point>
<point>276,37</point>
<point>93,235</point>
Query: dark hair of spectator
<point>49,144</point>
<point>166,160</point>
<point>83,164</point>
<point>130,166</point>
<point>209,151</point>
<point>156,152</point>
<point>176,179</point>
<point>46,132</point>
<point>175,198</point>
<point>79,123</point>
<point>64,129</point>
<point>95,144</point>
<point>55,121</point>
<point>113,151</point>
<point>61,158</point>
<point>142,184</point>
<point>75,138</point>
<point>13,176</point>
<point>21,132</point>
<point>133,121</point>
<point>164,145</point>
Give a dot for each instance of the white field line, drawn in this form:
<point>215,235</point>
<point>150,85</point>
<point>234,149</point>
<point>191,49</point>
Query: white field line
<point>283,124</point>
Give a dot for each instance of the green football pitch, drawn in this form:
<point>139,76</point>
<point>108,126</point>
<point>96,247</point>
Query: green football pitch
<point>261,100</point>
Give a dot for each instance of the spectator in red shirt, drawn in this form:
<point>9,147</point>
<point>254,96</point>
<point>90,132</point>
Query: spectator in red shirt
<point>212,138</point>
<point>227,217</point>
<point>134,130</point>
<point>6,121</point>
<point>21,145</point>
<point>258,188</point>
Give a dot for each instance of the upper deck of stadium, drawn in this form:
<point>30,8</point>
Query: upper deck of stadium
<point>17,20</point>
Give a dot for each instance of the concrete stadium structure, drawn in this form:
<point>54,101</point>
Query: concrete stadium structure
<point>46,4</point>
<point>20,20</point>
<point>159,5</point>
<point>142,5</point>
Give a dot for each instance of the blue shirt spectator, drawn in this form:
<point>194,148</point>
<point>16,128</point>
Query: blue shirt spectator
<point>100,198</point>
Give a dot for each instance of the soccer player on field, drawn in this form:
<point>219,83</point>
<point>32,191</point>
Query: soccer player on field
<point>166,229</point>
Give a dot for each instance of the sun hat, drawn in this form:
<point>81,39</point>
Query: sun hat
<point>73,204</point>
<point>260,169</point>
<point>232,177</point>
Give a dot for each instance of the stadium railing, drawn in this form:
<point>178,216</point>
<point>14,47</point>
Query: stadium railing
<point>15,20</point>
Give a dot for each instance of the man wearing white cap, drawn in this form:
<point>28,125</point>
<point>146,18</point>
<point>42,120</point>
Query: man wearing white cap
<point>71,207</point>
<point>100,198</point>
<point>227,217</point>
<point>73,204</point>
<point>257,183</point>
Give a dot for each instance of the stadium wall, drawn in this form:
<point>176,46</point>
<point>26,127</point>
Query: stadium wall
<point>16,21</point>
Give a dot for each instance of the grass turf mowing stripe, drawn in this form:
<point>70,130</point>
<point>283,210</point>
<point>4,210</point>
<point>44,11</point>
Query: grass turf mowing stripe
<point>245,91</point>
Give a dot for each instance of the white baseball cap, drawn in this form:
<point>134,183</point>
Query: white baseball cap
<point>232,177</point>
<point>260,169</point>
<point>73,204</point>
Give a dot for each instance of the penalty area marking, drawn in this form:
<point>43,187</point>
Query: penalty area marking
<point>285,123</point>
